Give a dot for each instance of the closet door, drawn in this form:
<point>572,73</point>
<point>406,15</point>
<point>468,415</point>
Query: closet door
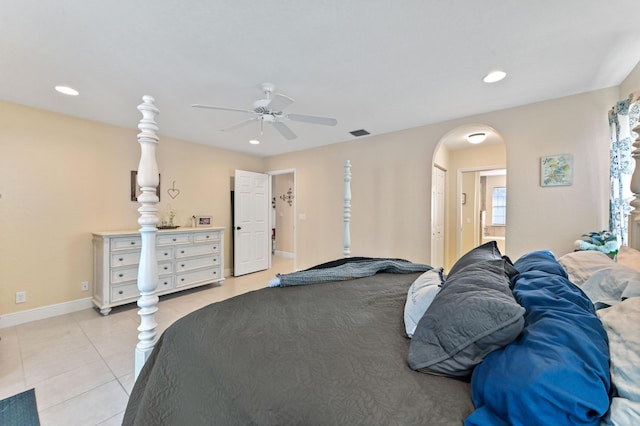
<point>252,236</point>
<point>438,215</point>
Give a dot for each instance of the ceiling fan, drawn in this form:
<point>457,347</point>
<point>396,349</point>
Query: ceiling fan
<point>270,110</point>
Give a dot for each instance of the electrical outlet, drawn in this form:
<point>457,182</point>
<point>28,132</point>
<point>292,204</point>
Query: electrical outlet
<point>21,296</point>
<point>84,286</point>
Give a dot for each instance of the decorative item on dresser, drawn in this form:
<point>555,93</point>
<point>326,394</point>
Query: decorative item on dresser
<point>186,258</point>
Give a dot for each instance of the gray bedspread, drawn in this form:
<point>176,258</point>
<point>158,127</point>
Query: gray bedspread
<point>321,354</point>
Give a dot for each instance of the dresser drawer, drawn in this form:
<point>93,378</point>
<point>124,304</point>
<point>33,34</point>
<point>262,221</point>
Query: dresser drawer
<point>124,292</point>
<point>202,237</point>
<point>124,243</point>
<point>165,253</point>
<point>133,257</point>
<point>198,262</point>
<point>125,258</point>
<point>198,250</point>
<point>165,284</point>
<point>204,276</point>
<point>124,274</point>
<point>165,268</point>
<point>171,239</point>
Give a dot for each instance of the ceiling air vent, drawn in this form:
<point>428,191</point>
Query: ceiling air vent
<point>361,132</point>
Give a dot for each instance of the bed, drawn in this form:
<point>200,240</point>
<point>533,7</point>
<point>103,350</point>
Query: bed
<point>534,340</point>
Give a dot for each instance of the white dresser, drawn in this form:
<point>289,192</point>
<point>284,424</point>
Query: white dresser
<point>187,257</point>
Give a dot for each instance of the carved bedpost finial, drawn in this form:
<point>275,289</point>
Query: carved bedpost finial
<point>148,180</point>
<point>347,208</point>
<point>634,215</point>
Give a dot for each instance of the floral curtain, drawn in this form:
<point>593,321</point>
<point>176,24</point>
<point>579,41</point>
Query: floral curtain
<point>622,118</point>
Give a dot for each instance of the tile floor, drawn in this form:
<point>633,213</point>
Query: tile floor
<point>82,364</point>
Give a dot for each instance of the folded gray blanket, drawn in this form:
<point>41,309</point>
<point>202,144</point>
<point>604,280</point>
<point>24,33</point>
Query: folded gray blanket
<point>348,270</point>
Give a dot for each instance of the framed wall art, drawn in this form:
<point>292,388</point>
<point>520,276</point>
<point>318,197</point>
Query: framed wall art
<point>556,170</point>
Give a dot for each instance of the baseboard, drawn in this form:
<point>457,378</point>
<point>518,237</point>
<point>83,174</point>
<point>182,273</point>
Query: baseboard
<point>44,312</point>
<point>284,254</point>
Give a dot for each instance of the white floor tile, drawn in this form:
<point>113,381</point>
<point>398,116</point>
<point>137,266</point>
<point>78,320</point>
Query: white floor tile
<point>82,364</point>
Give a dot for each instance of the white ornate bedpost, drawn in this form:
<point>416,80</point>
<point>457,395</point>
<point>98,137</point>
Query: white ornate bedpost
<point>148,180</point>
<point>347,208</point>
<point>634,216</point>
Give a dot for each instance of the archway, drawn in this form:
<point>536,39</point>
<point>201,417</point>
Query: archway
<point>453,156</point>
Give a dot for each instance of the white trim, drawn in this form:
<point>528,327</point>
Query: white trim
<point>44,312</point>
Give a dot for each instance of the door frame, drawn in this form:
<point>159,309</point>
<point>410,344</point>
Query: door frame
<point>295,211</point>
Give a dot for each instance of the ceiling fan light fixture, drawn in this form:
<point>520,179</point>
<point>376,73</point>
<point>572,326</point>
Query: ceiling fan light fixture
<point>254,141</point>
<point>67,90</point>
<point>477,137</point>
<point>494,76</point>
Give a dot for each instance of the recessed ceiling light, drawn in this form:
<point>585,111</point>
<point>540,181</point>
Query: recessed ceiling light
<point>494,76</point>
<point>67,90</point>
<point>477,137</point>
<point>254,142</point>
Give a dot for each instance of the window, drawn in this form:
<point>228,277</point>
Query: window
<point>499,206</point>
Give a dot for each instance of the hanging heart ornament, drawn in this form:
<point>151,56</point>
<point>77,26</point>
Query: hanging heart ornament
<point>173,191</point>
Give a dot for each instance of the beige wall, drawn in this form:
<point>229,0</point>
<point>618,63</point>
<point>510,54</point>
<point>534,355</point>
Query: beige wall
<point>392,177</point>
<point>63,177</point>
<point>284,213</point>
<point>631,83</point>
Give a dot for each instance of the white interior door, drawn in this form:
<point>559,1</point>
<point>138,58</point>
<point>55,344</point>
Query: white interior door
<point>437,225</point>
<point>252,235</point>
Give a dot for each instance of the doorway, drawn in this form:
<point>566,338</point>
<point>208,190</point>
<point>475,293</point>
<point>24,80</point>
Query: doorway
<point>455,154</point>
<point>482,209</point>
<point>283,214</point>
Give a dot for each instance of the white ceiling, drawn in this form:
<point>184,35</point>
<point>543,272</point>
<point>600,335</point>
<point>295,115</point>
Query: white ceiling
<point>375,65</point>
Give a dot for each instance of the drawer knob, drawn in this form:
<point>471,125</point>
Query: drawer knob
<point>165,268</point>
<point>174,239</point>
<point>215,260</point>
<point>133,243</point>
<point>120,259</point>
<point>181,279</point>
<point>207,237</point>
<point>120,292</point>
<point>182,266</point>
<point>182,251</point>
<point>121,275</point>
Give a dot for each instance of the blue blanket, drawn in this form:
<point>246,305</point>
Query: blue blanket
<point>557,371</point>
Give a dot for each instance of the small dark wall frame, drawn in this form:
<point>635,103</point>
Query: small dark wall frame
<point>135,189</point>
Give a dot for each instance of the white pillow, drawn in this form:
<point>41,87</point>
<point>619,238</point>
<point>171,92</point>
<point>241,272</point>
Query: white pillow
<point>621,323</point>
<point>629,257</point>
<point>419,298</point>
<point>581,265</point>
<point>603,280</point>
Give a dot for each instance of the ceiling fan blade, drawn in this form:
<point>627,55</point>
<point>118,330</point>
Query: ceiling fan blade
<point>221,108</point>
<point>326,121</point>
<point>284,130</point>
<point>279,102</point>
<point>240,124</point>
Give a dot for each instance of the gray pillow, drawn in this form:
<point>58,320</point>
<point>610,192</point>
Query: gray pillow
<point>486,251</point>
<point>474,314</point>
